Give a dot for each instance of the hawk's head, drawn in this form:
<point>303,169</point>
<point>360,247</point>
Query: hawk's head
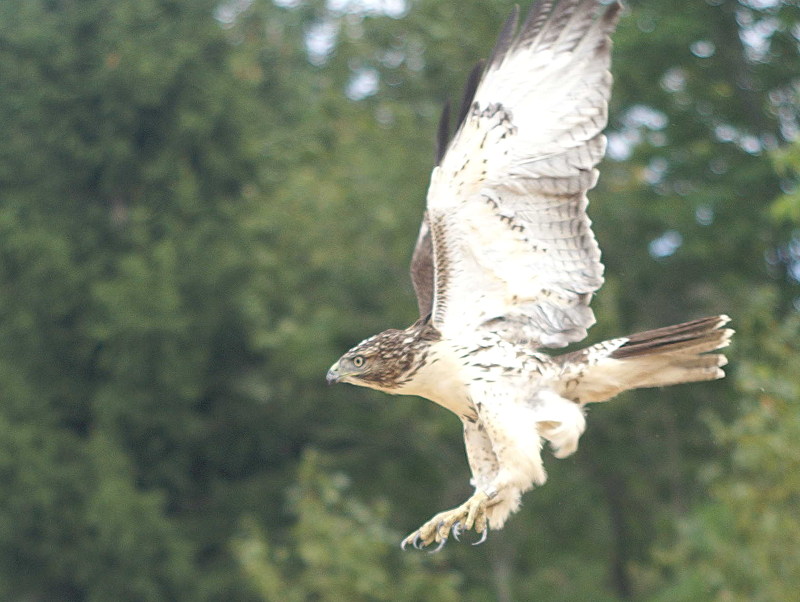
<point>386,361</point>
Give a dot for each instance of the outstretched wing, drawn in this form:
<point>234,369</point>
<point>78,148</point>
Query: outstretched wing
<point>511,243</point>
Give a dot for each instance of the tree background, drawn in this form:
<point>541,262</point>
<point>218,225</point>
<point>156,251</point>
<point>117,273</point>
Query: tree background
<point>204,203</point>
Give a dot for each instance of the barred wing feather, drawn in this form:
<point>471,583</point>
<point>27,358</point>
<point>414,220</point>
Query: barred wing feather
<point>512,244</point>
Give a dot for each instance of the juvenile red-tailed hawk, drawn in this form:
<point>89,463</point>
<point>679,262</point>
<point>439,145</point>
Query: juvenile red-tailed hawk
<point>506,264</point>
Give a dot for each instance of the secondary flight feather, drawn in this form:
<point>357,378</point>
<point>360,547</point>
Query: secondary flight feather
<point>506,264</point>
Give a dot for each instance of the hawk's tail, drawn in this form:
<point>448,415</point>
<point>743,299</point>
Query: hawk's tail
<point>654,358</point>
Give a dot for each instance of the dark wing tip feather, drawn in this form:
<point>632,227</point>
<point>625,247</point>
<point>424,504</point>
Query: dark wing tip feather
<point>469,91</point>
<point>505,39</point>
<point>443,136</point>
<point>443,133</point>
<point>547,18</point>
<point>537,17</point>
<point>504,42</point>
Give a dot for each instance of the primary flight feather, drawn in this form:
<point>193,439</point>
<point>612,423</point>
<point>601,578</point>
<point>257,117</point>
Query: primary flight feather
<point>506,264</point>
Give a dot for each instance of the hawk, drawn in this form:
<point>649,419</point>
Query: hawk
<point>506,264</point>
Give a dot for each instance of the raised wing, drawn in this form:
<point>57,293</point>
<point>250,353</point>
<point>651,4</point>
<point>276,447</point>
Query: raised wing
<point>512,245</point>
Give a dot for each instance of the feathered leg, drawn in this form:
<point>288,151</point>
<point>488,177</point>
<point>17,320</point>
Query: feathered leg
<point>504,450</point>
<point>472,514</point>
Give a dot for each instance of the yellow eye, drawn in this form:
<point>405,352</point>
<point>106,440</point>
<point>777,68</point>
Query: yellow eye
<point>358,361</point>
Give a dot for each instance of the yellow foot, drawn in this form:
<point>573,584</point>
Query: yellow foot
<point>469,515</point>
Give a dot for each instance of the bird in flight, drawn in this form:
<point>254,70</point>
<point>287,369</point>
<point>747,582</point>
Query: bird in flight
<point>506,264</point>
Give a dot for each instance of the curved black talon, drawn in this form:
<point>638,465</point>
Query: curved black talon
<point>416,542</point>
<point>484,535</point>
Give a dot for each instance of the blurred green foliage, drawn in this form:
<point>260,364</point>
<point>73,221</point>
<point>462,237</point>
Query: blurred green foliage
<point>202,204</point>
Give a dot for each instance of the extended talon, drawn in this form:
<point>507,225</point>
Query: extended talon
<point>439,547</point>
<point>466,517</point>
<point>412,539</point>
<point>457,530</point>
<point>484,535</point>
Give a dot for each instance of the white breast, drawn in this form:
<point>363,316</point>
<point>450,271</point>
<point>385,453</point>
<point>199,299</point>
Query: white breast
<point>443,380</point>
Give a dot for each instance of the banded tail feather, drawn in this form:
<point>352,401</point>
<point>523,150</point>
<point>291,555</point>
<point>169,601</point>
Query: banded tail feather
<point>655,358</point>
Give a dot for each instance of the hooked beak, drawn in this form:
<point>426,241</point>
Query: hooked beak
<point>333,374</point>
